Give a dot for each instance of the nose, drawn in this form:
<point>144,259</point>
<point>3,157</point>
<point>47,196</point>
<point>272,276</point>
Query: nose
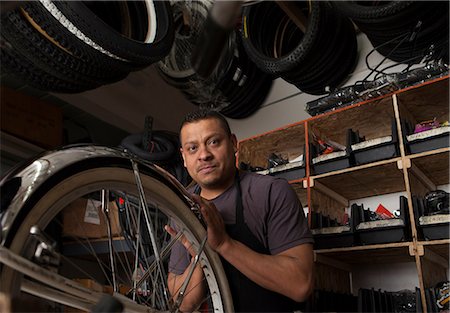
<point>204,153</point>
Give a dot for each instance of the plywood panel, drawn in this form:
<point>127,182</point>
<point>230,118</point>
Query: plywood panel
<point>326,205</point>
<point>377,254</point>
<point>432,273</point>
<point>372,120</point>
<point>371,181</point>
<point>331,279</point>
<point>427,102</point>
<point>435,167</point>
<point>301,193</point>
<point>256,150</point>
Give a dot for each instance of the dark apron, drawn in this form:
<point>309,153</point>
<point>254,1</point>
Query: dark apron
<point>247,295</point>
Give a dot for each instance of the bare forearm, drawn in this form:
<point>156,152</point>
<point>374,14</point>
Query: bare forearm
<point>195,291</point>
<point>289,275</point>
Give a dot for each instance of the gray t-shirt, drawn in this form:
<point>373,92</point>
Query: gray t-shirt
<point>272,212</point>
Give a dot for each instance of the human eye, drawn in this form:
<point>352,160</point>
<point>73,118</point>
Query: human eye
<point>214,141</point>
<point>191,148</point>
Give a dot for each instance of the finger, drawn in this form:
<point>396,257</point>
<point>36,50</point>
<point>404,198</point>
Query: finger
<point>172,232</point>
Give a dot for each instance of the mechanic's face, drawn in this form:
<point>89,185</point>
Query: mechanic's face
<point>209,153</point>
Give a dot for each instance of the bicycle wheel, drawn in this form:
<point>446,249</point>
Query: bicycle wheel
<point>127,259</point>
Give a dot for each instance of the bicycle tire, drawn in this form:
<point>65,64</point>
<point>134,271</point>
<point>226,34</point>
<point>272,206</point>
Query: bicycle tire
<point>77,171</point>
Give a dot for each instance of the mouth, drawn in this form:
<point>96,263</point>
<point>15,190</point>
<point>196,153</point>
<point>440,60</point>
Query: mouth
<point>206,169</point>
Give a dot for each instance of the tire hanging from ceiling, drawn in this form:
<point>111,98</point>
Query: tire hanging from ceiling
<point>403,31</point>
<point>74,46</point>
<point>237,88</point>
<point>317,59</point>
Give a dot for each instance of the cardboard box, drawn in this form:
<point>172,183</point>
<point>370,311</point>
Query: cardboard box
<point>31,119</point>
<point>84,218</point>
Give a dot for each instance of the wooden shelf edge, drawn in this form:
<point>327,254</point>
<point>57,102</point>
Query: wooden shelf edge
<point>434,242</point>
<point>357,168</point>
<point>428,153</point>
<point>368,247</point>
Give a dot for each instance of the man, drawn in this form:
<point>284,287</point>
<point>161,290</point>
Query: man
<point>254,222</point>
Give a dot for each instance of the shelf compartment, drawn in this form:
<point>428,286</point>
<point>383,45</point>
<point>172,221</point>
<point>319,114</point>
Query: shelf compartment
<point>374,125</point>
<point>433,164</point>
<point>425,102</point>
<point>370,254</point>
<point>364,181</point>
<point>301,192</point>
<point>288,141</point>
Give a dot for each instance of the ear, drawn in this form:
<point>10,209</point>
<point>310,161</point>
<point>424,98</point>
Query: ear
<point>234,142</point>
<point>182,155</point>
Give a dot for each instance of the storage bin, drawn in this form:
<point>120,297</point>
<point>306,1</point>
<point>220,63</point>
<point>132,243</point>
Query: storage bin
<point>289,171</point>
<point>377,149</point>
<point>327,237</point>
<point>430,227</point>
<point>333,161</point>
<point>383,231</point>
<point>432,139</point>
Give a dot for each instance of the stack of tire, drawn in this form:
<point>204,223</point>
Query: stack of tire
<point>403,31</point>
<point>73,46</point>
<point>236,88</point>
<point>316,60</point>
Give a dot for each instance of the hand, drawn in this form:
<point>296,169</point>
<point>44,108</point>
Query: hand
<point>186,243</point>
<point>217,236</point>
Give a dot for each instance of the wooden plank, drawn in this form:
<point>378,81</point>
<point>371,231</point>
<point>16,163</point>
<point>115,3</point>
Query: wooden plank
<point>372,255</point>
<point>301,192</point>
<point>434,166</point>
<point>431,256</point>
<point>366,182</point>
<point>332,194</point>
<point>356,168</point>
<point>326,205</point>
<point>321,258</point>
<point>427,102</point>
<point>432,274</point>
<point>331,279</point>
<point>374,125</point>
<point>423,177</point>
<point>285,142</point>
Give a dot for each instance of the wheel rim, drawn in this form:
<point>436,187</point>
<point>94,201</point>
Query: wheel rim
<point>119,182</point>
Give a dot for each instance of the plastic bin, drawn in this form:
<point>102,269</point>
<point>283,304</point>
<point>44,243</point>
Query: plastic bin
<point>327,235</point>
<point>377,149</point>
<point>427,140</point>
<point>430,227</point>
<point>383,231</point>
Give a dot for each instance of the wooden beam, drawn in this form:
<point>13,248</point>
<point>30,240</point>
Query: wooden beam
<point>331,262</point>
<point>432,256</point>
<point>422,177</point>
<point>294,13</point>
<point>332,194</point>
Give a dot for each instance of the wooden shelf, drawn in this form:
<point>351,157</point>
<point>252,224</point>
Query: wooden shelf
<point>370,254</point>
<point>366,180</point>
<point>440,247</point>
<point>301,192</point>
<point>330,193</point>
<point>255,151</point>
<point>376,124</point>
<point>426,102</point>
<point>433,164</point>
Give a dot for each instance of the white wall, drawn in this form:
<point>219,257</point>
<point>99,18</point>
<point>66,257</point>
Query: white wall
<point>286,104</point>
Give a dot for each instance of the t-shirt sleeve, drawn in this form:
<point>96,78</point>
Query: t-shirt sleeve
<point>287,226</point>
<point>179,257</point>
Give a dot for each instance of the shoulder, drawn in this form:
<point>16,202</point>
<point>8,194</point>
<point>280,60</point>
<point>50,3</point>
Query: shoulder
<point>254,180</point>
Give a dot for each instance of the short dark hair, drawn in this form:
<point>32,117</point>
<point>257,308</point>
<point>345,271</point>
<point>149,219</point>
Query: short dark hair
<point>204,114</point>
